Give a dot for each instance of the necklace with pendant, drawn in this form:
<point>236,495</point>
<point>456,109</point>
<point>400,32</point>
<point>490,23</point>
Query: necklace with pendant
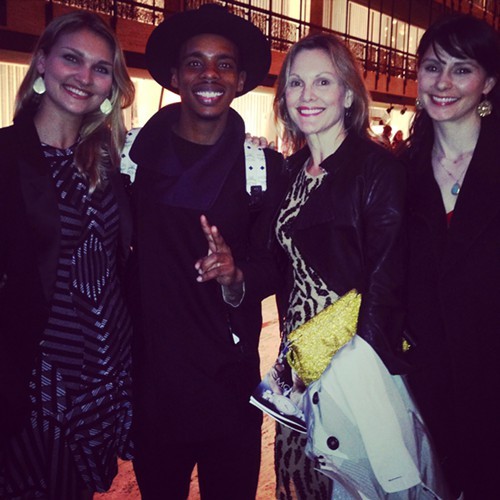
<point>457,185</point>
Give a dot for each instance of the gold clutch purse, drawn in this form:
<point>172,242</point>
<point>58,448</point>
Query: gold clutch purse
<point>312,345</point>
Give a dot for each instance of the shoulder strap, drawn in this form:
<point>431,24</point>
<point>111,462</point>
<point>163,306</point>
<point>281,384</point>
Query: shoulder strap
<point>127,166</point>
<point>255,166</point>
<point>255,171</point>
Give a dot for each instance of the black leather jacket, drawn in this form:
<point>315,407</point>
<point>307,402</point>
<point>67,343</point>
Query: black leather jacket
<point>350,231</point>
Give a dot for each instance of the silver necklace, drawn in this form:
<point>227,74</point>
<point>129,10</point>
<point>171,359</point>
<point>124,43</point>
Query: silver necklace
<point>457,186</point>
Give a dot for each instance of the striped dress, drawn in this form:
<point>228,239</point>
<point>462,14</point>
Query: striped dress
<point>80,386</point>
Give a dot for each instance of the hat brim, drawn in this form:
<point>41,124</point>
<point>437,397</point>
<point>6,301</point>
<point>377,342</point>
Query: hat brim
<point>166,40</point>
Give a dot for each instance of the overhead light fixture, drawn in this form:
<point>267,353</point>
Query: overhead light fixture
<point>403,111</point>
<point>390,108</point>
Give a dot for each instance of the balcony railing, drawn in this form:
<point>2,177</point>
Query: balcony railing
<point>144,12</point>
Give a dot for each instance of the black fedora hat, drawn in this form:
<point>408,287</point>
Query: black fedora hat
<point>164,44</point>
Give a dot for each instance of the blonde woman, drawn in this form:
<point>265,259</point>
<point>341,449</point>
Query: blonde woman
<point>65,225</point>
<point>341,222</point>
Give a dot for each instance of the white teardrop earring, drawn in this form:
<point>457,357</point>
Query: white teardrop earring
<point>39,86</point>
<point>106,106</point>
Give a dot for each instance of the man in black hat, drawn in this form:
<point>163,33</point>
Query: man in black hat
<point>204,263</point>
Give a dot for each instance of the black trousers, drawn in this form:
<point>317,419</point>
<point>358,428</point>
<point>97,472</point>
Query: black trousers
<point>228,468</point>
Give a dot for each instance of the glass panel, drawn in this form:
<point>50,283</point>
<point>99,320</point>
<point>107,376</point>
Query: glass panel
<point>11,76</point>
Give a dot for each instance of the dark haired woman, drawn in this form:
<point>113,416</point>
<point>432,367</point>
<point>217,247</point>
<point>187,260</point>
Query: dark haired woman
<point>454,266</point>
<point>64,329</point>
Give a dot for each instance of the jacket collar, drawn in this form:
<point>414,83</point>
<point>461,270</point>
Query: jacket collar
<point>479,200</point>
<point>476,205</point>
<point>332,162</point>
<point>198,186</point>
<point>318,209</point>
<point>28,144</point>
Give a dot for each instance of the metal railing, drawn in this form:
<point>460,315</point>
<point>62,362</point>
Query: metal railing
<point>125,9</point>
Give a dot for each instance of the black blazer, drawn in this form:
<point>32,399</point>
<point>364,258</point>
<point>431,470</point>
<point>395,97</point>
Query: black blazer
<point>454,307</point>
<point>29,250</point>
<point>350,231</point>
<point>186,356</point>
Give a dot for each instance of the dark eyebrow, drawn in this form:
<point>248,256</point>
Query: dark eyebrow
<point>456,62</point>
<point>432,59</point>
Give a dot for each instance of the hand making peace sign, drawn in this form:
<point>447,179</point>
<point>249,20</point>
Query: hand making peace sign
<point>218,263</point>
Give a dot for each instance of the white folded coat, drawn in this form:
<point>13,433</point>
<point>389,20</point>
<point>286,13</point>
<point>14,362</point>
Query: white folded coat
<point>365,432</point>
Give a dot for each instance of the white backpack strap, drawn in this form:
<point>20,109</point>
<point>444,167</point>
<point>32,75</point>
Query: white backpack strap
<point>255,170</point>
<point>127,166</point>
<point>255,164</point>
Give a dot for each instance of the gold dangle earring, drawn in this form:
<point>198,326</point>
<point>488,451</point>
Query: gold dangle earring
<point>418,104</point>
<point>485,107</point>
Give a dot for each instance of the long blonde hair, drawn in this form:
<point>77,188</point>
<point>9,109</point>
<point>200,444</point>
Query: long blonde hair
<point>356,117</point>
<point>101,136</point>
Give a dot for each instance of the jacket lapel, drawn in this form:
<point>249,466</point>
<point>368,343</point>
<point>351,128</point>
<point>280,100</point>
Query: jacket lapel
<point>426,202</point>
<point>40,202</point>
<point>125,215</point>
<point>318,209</point>
<point>479,200</point>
